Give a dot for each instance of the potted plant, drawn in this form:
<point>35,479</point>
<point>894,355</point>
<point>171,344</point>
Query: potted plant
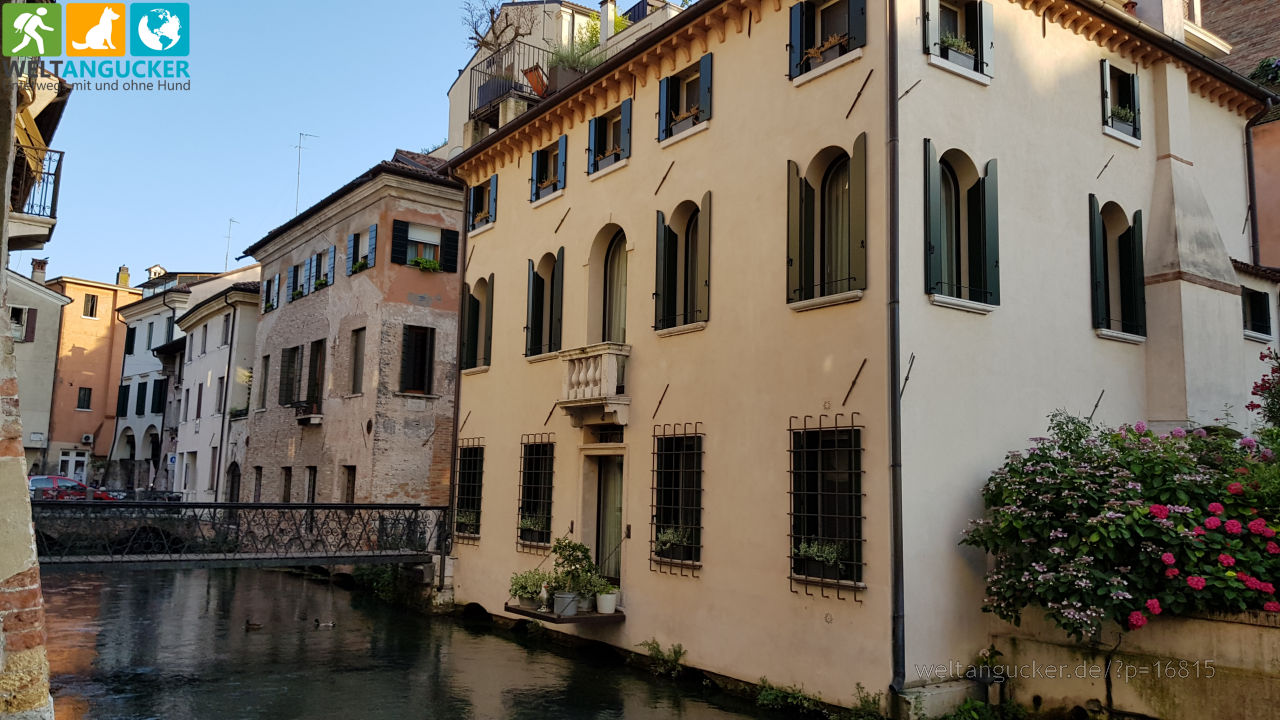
<point>296,294</point>
<point>548,186</point>
<point>268,307</point>
<point>480,218</point>
<point>532,528</point>
<point>322,282</point>
<point>468,523</point>
<point>608,157</point>
<point>606,597</point>
<point>564,601</point>
<point>426,264</point>
<point>574,570</point>
<point>673,543</point>
<point>685,120</point>
<point>818,558</point>
<point>1122,119</point>
<point>526,587</point>
<point>570,62</point>
<point>359,265</point>
<point>958,50</point>
<point>830,49</point>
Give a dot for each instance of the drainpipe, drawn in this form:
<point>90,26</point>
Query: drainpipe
<point>226,395</point>
<point>457,382</point>
<point>1255,243</point>
<point>898,630</point>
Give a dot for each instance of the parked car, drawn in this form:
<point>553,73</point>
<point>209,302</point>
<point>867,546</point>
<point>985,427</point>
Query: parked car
<point>57,487</point>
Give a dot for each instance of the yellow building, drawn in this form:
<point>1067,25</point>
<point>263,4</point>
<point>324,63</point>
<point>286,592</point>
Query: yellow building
<point>780,287</point>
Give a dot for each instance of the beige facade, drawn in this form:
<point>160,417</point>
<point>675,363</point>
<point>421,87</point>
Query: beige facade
<point>35,313</point>
<point>996,335</point>
<point>354,379</point>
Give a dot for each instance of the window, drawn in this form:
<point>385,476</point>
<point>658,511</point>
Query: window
<point>684,99</point>
<point>615,290</point>
<point>191,347</point>
<point>122,401</point>
<point>477,324</point>
<point>482,201</point>
<point>826,504</point>
<point>295,279</point>
<point>130,336</point>
<point>290,375</point>
<point>677,493</point>
<point>257,483</point>
<point>159,389</point>
<point>417,359</point>
<point>271,293</point>
<point>609,138</point>
<point>357,361</point>
<point>151,335</point>
<point>286,485</point>
<point>470,477</point>
<point>537,464</point>
<point>226,330</point>
<point>204,339</point>
<point>262,384</point>
<point>349,491</point>
<point>22,324</point>
<point>1257,311</point>
<point>168,330</point>
<point>213,468</point>
<point>311,484</point>
<point>423,242</point>
<point>543,310</point>
<point>320,270</point>
<point>827,224</point>
<point>1120,107</point>
<point>315,378</point>
<point>90,306</point>
<point>683,292</point>
<point>362,255</point>
<point>424,247</point>
<point>140,403</point>
<point>219,400</point>
<point>186,404</point>
<point>84,398</point>
<point>962,233</point>
<point>547,174</point>
<point>823,30</point>
<point>1118,295</point>
<point>199,401</point>
<point>961,32</point>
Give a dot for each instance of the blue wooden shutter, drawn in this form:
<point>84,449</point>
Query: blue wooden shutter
<point>801,39</point>
<point>399,242</point>
<point>557,300</point>
<point>858,215</point>
<point>1106,92</point>
<point>704,88</point>
<point>333,258</point>
<point>290,282</point>
<point>533,175</point>
<point>351,252</point>
<point>626,128</point>
<point>991,234</point>
<point>562,162</point>
<point>493,198</point>
<point>933,248</point>
<point>986,38</point>
<point>1137,114</point>
<point>373,244</point>
<point>449,250</point>
<point>591,144</point>
<point>794,232</point>
<point>857,23</point>
<point>664,108</point>
<point>488,323</point>
<point>1097,264</point>
<point>660,279</point>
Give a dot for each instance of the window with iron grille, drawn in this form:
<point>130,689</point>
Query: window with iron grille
<point>537,462</point>
<point>470,479</point>
<point>826,501</point>
<point>677,494</point>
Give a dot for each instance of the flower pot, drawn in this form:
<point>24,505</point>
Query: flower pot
<point>685,124</point>
<point>565,604</point>
<point>832,53</point>
<point>1122,126</point>
<point>531,536</point>
<point>587,603</point>
<point>561,77</point>
<point>955,57</point>
<point>606,604</point>
<point>809,567</point>
<point>529,603</point>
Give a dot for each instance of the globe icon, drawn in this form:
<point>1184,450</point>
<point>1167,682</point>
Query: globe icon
<point>159,30</point>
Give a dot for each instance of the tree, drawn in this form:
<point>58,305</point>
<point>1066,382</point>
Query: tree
<point>492,25</point>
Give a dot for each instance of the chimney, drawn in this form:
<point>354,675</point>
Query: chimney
<point>608,13</point>
<point>1167,16</point>
<point>38,267</point>
<point>122,276</point>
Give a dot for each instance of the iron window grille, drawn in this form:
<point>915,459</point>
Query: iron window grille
<point>826,503</point>
<point>470,477</point>
<point>537,463</point>
<point>675,533</point>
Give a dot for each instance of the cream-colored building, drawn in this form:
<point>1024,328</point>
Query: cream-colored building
<point>781,288</point>
<point>35,314</point>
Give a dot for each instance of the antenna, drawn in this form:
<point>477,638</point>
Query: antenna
<point>298,191</point>
<point>226,260</point>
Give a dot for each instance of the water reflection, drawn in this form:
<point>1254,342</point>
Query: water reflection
<point>172,644</point>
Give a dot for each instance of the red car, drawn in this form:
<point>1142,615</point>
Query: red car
<point>56,487</point>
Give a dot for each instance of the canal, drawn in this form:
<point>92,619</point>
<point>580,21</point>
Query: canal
<point>173,645</point>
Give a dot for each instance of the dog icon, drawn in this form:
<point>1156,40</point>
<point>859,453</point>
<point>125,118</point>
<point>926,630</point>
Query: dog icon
<point>99,36</point>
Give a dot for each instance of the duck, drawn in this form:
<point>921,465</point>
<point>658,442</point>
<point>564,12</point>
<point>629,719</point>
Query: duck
<point>250,625</point>
<point>320,625</point>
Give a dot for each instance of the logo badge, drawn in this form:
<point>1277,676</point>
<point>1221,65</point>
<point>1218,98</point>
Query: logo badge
<point>31,29</point>
<point>95,29</point>
<point>161,28</point>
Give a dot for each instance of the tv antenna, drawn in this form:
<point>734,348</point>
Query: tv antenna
<point>298,191</point>
<point>226,260</point>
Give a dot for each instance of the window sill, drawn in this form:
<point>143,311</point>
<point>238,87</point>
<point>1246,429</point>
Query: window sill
<point>825,301</point>
<point>547,198</point>
<point>683,329</point>
<point>87,410</point>
<point>352,395</point>
<point>259,410</point>
<point>88,317</point>
<point>1118,336</point>
<point>616,166</point>
<point>691,564</point>
<point>1257,337</point>
<point>482,229</point>
<point>966,73</point>
<point>685,134</point>
<point>827,67</point>
<point>420,396</point>
<point>478,370</point>
<point>955,303</point>
<point>1122,137</point>
<point>809,580</point>
<point>543,357</point>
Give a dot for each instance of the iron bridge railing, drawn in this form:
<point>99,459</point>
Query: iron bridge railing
<point>231,534</point>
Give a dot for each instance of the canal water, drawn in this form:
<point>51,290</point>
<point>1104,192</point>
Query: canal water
<point>173,645</point>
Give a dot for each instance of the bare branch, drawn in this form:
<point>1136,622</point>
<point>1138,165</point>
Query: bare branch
<point>491,26</point>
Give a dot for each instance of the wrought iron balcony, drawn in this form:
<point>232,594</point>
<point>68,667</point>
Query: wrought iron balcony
<point>594,388</point>
<point>518,70</point>
<point>37,175</point>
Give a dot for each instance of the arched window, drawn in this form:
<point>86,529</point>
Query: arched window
<point>683,292</point>
<point>951,237</point>
<point>615,290</point>
<point>477,323</point>
<point>835,228</point>
<point>827,224</point>
<point>962,229</point>
<point>544,310</point>
<point>1115,254</point>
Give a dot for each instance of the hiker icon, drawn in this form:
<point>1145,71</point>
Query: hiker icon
<point>30,25</point>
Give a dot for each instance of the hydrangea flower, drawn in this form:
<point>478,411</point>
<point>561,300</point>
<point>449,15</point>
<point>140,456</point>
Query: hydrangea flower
<point>1236,488</point>
<point>1216,508</point>
<point>1195,582</point>
<point>1159,511</point>
<point>1171,572</point>
<point>1136,620</point>
<point>1139,427</point>
<point>1248,442</point>
<point>1178,432</point>
<point>1273,548</point>
<point>1168,559</point>
<point>1153,606</point>
<point>1233,527</point>
<point>1200,433</point>
<point>1226,560</point>
<point>1271,606</point>
<point>1257,526</point>
<point>1213,522</point>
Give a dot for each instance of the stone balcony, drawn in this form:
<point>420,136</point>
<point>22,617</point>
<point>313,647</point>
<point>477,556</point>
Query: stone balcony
<point>594,384</point>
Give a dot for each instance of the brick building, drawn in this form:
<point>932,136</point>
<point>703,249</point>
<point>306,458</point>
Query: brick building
<point>354,383</point>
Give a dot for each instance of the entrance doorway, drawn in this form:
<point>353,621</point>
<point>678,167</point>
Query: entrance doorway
<point>233,483</point>
<point>609,518</point>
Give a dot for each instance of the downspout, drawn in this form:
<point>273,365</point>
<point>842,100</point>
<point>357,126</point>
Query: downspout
<point>1255,242</point>
<point>457,383</point>
<point>226,396</point>
<point>895,367</point>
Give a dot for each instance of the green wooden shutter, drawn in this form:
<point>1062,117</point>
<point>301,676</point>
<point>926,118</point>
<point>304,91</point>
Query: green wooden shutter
<point>858,214</point>
<point>140,403</point>
<point>562,162</point>
<point>449,251</point>
<point>429,369</point>
<point>533,175</point>
<point>857,23</point>
<point>626,128</point>
<point>991,233</point>
<point>932,26</point>
<point>1106,92</point>
<point>802,29</point>
<point>704,88</point>
<point>130,336</point>
<point>29,332</point>
<point>557,300</point>
<point>373,244</point>
<point>592,126</point>
<point>664,108</point>
<point>159,391</point>
<point>794,235</point>
<point>122,402</point>
<point>493,198</point>
<point>470,327</point>
<point>1133,292</point>
<point>399,242</point>
<point>933,248</point>
<point>1137,110</point>
<point>986,39</point>
<point>533,314</point>
<point>488,324</point>
<point>660,279</point>
<point>809,247</point>
<point>1097,263</point>
<point>351,252</point>
<point>702,276</point>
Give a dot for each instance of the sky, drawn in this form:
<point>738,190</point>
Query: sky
<point>153,177</point>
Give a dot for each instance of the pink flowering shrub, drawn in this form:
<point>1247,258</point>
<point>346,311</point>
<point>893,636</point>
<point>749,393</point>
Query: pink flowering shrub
<point>1121,525</point>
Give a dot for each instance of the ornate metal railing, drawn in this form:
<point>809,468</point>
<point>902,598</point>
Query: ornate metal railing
<point>37,174</point>
<point>518,69</point>
<point>231,534</point>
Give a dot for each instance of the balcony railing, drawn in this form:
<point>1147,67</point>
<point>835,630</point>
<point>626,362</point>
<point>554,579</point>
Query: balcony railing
<point>595,379</point>
<point>309,412</point>
<point>37,174</point>
<point>517,70</point>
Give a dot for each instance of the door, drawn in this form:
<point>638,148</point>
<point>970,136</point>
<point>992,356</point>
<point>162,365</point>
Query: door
<point>609,518</point>
<point>233,483</point>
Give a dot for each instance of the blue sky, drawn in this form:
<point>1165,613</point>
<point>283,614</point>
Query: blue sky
<point>152,177</point>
